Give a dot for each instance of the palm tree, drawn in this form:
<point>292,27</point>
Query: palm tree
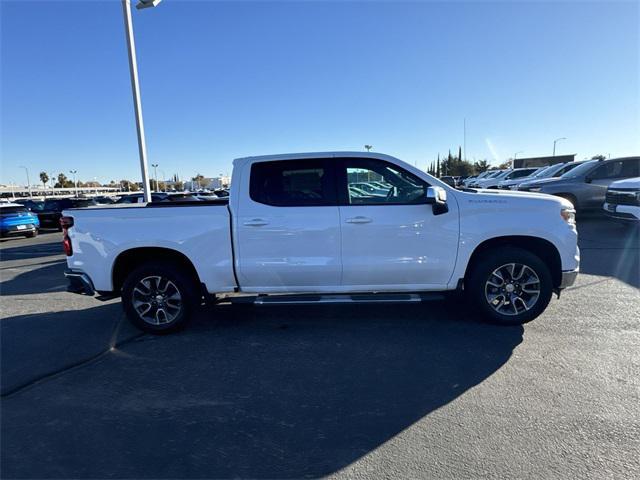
<point>44,178</point>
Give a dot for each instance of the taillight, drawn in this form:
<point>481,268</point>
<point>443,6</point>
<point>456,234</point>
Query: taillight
<point>66,223</point>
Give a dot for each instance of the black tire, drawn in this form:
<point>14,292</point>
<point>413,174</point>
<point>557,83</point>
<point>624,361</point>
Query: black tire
<point>32,234</point>
<point>186,286</point>
<point>479,291</point>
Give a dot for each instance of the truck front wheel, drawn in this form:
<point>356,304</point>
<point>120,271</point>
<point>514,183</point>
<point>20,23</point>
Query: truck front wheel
<point>509,286</point>
<point>159,297</point>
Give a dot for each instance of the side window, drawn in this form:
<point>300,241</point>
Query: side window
<point>293,183</point>
<point>631,168</point>
<point>608,170</point>
<point>376,182</point>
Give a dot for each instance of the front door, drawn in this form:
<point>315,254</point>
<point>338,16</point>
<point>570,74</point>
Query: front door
<point>391,240</point>
<point>604,175</point>
<point>288,229</point>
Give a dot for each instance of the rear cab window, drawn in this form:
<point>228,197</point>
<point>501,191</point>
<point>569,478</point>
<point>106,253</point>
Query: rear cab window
<point>293,183</point>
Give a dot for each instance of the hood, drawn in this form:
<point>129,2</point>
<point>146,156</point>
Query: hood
<point>541,181</point>
<point>518,196</point>
<point>626,183</point>
<point>515,181</point>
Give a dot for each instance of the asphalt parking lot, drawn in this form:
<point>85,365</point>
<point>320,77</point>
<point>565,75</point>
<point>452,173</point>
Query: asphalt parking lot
<point>395,391</point>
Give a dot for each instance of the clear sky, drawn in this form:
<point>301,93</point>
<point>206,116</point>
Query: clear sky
<point>222,80</point>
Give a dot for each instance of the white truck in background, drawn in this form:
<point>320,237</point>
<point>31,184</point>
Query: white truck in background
<point>292,225</point>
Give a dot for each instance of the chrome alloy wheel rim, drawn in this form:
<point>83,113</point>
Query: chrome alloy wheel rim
<point>157,300</point>
<point>512,289</point>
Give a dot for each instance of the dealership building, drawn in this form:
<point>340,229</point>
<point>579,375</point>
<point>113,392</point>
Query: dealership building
<point>542,161</point>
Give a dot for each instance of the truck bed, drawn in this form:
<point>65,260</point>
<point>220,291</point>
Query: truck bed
<point>201,231</point>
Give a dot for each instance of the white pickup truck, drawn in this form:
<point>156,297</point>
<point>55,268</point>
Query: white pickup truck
<point>294,224</point>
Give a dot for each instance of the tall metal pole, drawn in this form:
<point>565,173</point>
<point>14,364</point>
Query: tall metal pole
<point>554,144</point>
<point>155,173</point>
<point>75,180</point>
<point>137,104</point>
<point>28,181</point>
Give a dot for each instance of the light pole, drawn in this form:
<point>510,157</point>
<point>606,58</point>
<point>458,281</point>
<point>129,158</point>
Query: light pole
<point>155,173</point>
<point>554,144</point>
<point>368,147</point>
<point>28,181</point>
<point>135,88</point>
<point>75,181</point>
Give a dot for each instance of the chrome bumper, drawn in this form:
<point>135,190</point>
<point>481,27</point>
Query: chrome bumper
<point>568,278</point>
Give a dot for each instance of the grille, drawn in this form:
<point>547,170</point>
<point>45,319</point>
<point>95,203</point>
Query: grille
<point>621,197</point>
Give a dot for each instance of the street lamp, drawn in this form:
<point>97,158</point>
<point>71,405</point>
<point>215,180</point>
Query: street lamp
<point>554,144</point>
<point>28,181</point>
<point>75,181</point>
<point>515,155</point>
<point>368,147</point>
<point>155,173</point>
<point>135,88</point>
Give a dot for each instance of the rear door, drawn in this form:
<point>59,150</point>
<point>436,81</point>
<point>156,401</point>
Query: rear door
<point>287,227</point>
<point>393,241</point>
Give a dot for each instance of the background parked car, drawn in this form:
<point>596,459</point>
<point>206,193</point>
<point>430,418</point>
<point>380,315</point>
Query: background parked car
<point>16,219</point>
<point>622,200</point>
<point>490,175</point>
<point>451,181</point>
<point>52,210</point>
<point>586,185</point>
<point>33,205</point>
<point>492,182</point>
<point>139,197</point>
<point>554,171</point>
<point>512,183</point>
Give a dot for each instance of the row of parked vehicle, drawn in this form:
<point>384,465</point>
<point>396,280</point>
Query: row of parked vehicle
<point>25,217</point>
<point>612,185</point>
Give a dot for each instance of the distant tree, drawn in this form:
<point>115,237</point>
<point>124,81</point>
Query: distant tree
<point>480,166</point>
<point>128,186</point>
<point>459,153</point>
<point>505,164</point>
<point>200,180</point>
<point>438,167</point>
<point>44,178</point>
<point>63,182</point>
<point>598,157</point>
<point>178,185</point>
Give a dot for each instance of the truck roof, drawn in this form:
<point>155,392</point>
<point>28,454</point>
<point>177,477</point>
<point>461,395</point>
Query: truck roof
<point>302,155</point>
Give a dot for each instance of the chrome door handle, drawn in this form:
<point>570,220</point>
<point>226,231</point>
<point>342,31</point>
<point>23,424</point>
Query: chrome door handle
<point>256,222</point>
<point>359,220</point>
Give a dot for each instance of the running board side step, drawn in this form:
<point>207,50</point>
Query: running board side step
<point>338,298</point>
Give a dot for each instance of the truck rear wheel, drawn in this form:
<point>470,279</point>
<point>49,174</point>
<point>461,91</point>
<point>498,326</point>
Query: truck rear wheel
<point>159,297</point>
<point>509,286</point>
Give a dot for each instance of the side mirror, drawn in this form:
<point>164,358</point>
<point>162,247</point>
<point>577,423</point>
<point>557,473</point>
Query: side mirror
<point>588,179</point>
<point>437,198</point>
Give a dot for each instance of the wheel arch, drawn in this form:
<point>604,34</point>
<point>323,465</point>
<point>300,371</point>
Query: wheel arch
<point>542,248</point>
<point>130,259</point>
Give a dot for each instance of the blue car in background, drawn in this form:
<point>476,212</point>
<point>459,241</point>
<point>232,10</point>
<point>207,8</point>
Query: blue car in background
<point>17,220</point>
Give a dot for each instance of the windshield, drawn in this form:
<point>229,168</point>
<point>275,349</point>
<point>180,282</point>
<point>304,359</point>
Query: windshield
<point>541,172</point>
<point>581,170</point>
<point>9,211</point>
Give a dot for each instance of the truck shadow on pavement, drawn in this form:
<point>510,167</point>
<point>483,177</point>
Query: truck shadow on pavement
<point>252,392</point>
<point>609,249</point>
<point>47,277</point>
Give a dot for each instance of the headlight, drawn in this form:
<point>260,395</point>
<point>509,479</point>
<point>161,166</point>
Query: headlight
<point>569,215</point>
<point>535,189</point>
